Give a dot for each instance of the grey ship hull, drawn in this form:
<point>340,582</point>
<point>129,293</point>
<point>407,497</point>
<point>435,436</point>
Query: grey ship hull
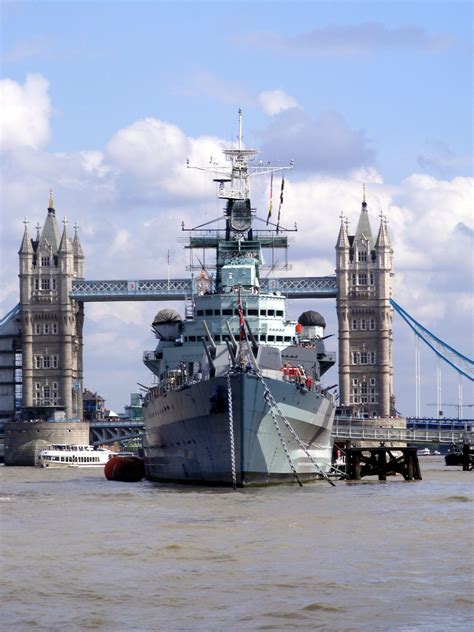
<point>187,436</point>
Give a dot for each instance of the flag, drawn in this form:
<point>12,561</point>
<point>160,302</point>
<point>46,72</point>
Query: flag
<point>241,319</point>
<point>271,200</point>
<point>281,201</point>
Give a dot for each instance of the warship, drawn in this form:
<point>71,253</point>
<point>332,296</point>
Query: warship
<point>238,398</point>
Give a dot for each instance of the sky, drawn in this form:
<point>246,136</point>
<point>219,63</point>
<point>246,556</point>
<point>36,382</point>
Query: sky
<point>104,101</point>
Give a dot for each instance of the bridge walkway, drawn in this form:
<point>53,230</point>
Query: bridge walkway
<point>421,431</point>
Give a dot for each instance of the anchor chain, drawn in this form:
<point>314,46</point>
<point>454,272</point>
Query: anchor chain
<point>283,442</point>
<point>231,431</point>
<point>272,403</point>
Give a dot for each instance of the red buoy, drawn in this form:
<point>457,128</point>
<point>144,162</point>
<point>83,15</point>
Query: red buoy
<point>128,469</point>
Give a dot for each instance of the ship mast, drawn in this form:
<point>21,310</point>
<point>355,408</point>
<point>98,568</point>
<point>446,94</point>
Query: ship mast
<point>239,237</point>
<point>234,181</point>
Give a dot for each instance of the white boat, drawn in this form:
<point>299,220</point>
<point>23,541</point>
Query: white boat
<point>70,455</point>
<point>423,452</point>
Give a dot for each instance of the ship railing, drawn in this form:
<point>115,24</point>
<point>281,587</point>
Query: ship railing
<point>176,383</point>
<point>149,355</point>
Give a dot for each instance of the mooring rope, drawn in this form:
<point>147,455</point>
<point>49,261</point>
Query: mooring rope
<point>283,442</point>
<point>231,431</point>
<point>273,404</point>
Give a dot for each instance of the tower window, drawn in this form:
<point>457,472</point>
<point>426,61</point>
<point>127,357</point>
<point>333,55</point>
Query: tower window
<point>363,324</point>
<point>46,328</point>
<point>354,279</point>
<point>36,284</point>
<point>371,278</point>
<point>54,361</point>
<point>54,328</point>
<point>372,323</point>
<point>38,362</point>
<point>362,280</point>
<point>46,362</point>
<point>363,388</point>
<point>37,328</point>
<point>54,283</point>
<point>363,357</point>
<point>45,262</point>
<point>372,357</point>
<point>45,284</point>
<point>355,357</point>
<point>372,381</point>
<point>362,255</point>
<point>354,324</point>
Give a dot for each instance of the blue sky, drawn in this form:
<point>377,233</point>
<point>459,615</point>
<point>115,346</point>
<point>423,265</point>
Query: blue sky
<point>103,99</point>
<point>110,63</point>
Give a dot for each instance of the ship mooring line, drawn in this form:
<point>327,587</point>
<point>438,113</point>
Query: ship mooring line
<point>282,440</point>
<point>231,431</point>
<point>272,404</point>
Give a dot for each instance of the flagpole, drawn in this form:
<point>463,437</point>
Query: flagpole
<point>281,202</point>
<point>271,199</point>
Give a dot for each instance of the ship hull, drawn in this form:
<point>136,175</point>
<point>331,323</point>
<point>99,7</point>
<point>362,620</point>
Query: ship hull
<point>188,438</point>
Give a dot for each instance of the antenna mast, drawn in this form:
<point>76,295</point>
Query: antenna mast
<point>240,129</point>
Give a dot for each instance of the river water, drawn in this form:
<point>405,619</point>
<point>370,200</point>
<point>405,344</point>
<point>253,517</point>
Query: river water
<point>83,553</point>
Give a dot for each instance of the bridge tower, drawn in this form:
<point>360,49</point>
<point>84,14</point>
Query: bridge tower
<point>51,322</point>
<point>364,281</point>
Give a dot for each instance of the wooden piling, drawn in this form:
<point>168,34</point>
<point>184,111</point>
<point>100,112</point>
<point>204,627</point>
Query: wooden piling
<point>467,457</point>
<point>382,461</point>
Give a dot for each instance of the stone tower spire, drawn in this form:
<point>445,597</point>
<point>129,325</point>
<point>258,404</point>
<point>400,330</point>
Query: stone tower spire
<point>51,320</point>
<point>26,265</point>
<point>363,272</point>
<point>78,253</point>
<point>50,232</point>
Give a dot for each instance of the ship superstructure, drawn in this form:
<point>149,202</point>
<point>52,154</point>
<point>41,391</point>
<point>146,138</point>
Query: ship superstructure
<point>238,398</point>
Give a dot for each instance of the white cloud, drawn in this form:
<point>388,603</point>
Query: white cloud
<point>354,39</point>
<point>275,101</point>
<point>153,154</point>
<point>25,113</point>
<point>323,144</point>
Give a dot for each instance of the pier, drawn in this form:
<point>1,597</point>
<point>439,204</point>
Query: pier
<point>382,462</point>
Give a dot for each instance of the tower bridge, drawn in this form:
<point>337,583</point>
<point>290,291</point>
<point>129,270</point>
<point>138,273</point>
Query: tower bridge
<point>41,339</point>
<point>182,289</point>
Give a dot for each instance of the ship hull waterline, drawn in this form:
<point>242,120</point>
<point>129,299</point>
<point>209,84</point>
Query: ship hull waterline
<point>187,433</point>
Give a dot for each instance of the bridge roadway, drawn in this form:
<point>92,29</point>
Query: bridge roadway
<point>429,431</point>
<point>180,289</point>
